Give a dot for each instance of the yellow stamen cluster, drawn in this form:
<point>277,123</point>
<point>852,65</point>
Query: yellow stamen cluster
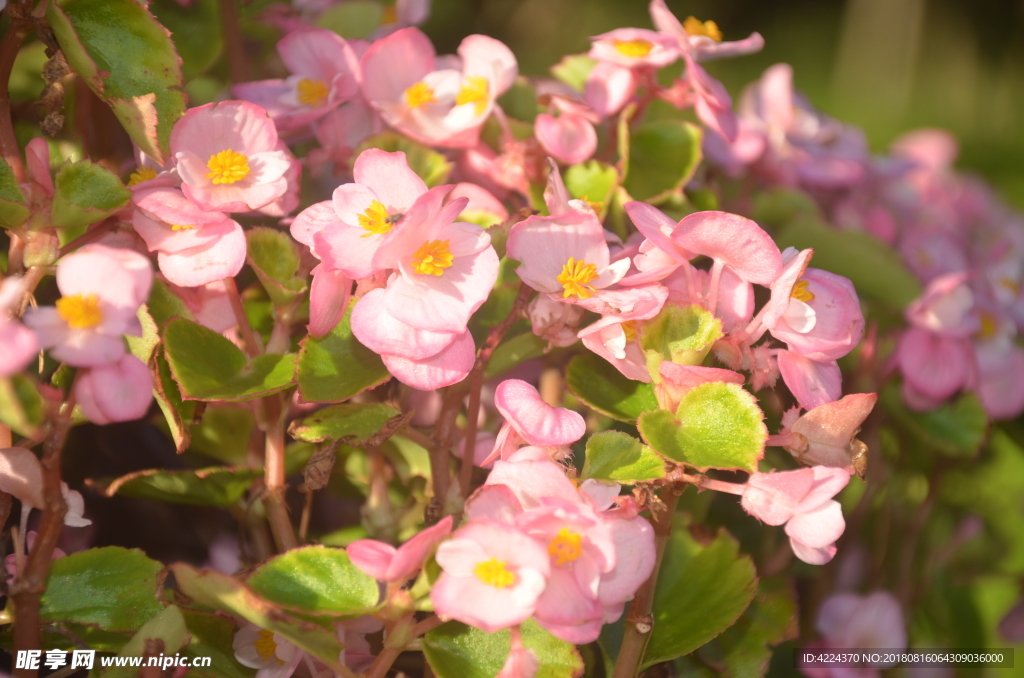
<point>375,220</point>
<point>419,94</point>
<point>80,311</point>
<point>695,26</point>
<point>474,91</point>
<point>574,278</point>
<point>141,173</point>
<point>801,293</point>
<point>182,227</point>
<point>634,48</point>
<point>227,167</point>
<point>988,326</point>
<point>630,330</point>
<point>432,258</point>
<point>311,92</point>
<point>494,573</point>
<point>265,646</point>
<point>566,547</point>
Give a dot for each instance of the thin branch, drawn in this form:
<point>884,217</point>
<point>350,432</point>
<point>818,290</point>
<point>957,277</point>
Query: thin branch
<point>253,346</point>
<point>95,232</point>
<point>273,475</point>
<point>9,47</point>
<point>238,66</point>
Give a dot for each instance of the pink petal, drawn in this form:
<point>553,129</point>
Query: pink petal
<point>490,58</point>
<point>569,138</point>
<point>738,242</point>
<point>328,298</point>
<point>937,366</point>
<point>538,423</point>
<point>819,527</point>
<point>448,367</point>
<point>812,555</point>
<point>412,554</point>
<point>636,556</point>
<point>239,125</point>
<point>830,428</point>
<point>812,383</point>
<point>372,557</point>
<point>321,54</point>
<point>773,497</point>
<point>828,482</point>
<point>388,175</point>
<point>161,237</point>
<point>657,227</point>
<point>221,259</point>
<point>609,87</point>
<point>170,206</point>
<point>543,245</point>
<point>531,479</point>
<point>382,333</point>
<point>394,63</point>
<point>312,220</point>
<point>21,476</point>
<point>121,391</point>
<point>20,347</point>
<point>496,502</point>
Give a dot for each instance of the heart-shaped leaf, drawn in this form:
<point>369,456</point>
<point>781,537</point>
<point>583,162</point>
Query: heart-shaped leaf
<point>336,367</point>
<point>717,425</point>
<point>316,580</point>
<point>217,486</point>
<point>597,383</point>
<point>275,259</point>
<point>663,155</point>
<point>84,193</point>
<point>618,456</point>
<point>207,366</point>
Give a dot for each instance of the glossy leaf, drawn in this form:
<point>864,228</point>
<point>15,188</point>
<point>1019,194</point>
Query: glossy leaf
<point>127,58</point>
<point>682,334</point>
<point>113,588</point>
<point>218,591</point>
<point>212,636</point>
<point>195,30</point>
<point>336,367</point>
<point>207,366</point>
<point>717,425</point>
<point>430,165</point>
<point>595,182</point>
<point>602,387</point>
<point>84,193</point>
<point>618,456</point>
<point>216,486</point>
<point>455,650</point>
<point>275,259</point>
<point>351,423</point>
<point>224,433</point>
<point>163,304</point>
<point>316,580</point>
<point>956,429</point>
<point>13,208</point>
<point>663,155</point>
<point>168,627</point>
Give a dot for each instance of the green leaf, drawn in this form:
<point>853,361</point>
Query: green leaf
<point>876,270</point>
<point>224,433</point>
<point>717,425</point>
<point>167,627</point>
<point>127,58</point>
<point>514,351</point>
<point>13,208</point>
<point>594,182</point>
<point>275,259</point>
<point>212,636</point>
<point>574,69</point>
<point>703,587</point>
<point>113,588</point>
<point>216,486</point>
<point>599,385</point>
<point>663,155</point>
<point>957,429</point>
<point>520,101</point>
<point>618,456</point>
<point>336,367</point>
<point>352,19</point>
<point>84,193</point>
<point>21,405</point>
<point>207,366</point>
<point>682,334</point>
<point>163,304</point>
<point>430,165</point>
<point>218,591</point>
<point>746,647</point>
<point>351,423</point>
<point>316,580</point>
<point>195,30</point>
<point>178,413</point>
<point>455,650</point>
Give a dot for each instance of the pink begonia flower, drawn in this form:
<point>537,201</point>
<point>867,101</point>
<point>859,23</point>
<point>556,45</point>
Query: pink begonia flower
<point>357,654</point>
<point>19,342</point>
<point>324,74</point>
<point>346,231</point>
<point>708,97</point>
<point>945,307</point>
<point>615,337</point>
<point>826,434</point>
<point>483,208</point>
<point>227,156</point>
<point>581,550</point>
<point>847,620</point>
<point>194,246</point>
<point>931,253</point>
<point>385,563</point>
<point>21,476</point>
<point>1000,378</point>
<point>210,304</point>
<point>570,139</point>
<point>11,561</point>
<point>102,289</point>
<point>634,48</point>
<point>934,366</point>
<point>531,475</point>
<point>271,654</point>
<point>701,39</point>
<point>636,557</point>
<point>678,380</point>
<point>340,133</point>
<point>811,382</point>
<point>443,106</point>
<point>447,367</point>
<point>735,295</point>
<point>118,391</point>
<point>823,320</point>
<point>148,173</point>
<point>521,662</point>
<point>553,321</point>
<point>734,156</point>
<point>609,88</point>
<point>531,421</point>
<point>802,500</point>
<point>733,241</point>
<point>444,269</point>
<point>493,576</point>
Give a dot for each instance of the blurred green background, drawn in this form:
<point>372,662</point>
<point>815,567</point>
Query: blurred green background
<point>886,65</point>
